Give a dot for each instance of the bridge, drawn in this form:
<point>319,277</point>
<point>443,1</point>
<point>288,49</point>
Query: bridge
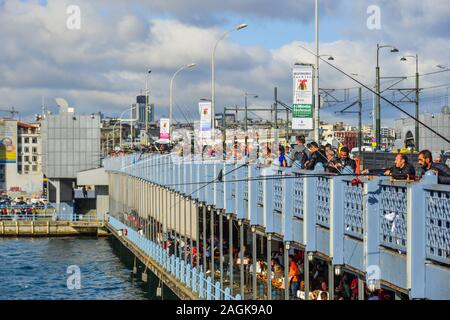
<point>387,234</point>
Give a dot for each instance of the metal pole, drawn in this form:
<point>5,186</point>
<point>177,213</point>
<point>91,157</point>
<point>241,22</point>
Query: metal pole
<point>221,247</point>
<point>231,266</point>
<point>360,121</point>
<point>306,273</point>
<point>316,86</point>
<point>246,126</point>
<point>254,283</point>
<point>241,257</point>
<point>417,103</point>
<point>146,110</point>
<point>269,267</point>
<point>276,106</point>
<point>186,201</point>
<point>286,271</point>
<point>204,238</point>
<point>212,242</point>
<point>198,235</point>
<point>377,106</point>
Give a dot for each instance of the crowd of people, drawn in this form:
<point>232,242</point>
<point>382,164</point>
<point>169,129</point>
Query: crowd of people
<point>338,161</point>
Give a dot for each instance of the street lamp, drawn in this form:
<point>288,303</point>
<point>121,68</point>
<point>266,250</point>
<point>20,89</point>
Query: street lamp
<point>378,89</point>
<point>188,66</point>
<point>120,120</point>
<point>404,58</point>
<point>213,85</point>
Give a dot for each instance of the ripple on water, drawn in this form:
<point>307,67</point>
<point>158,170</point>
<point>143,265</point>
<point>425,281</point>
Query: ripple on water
<point>37,269</point>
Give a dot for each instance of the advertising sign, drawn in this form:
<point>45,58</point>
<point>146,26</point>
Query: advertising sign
<point>8,152</point>
<point>302,103</point>
<point>164,129</point>
<point>205,119</point>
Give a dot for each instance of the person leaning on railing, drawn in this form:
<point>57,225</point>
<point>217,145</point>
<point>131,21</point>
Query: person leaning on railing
<point>441,170</point>
<point>401,170</point>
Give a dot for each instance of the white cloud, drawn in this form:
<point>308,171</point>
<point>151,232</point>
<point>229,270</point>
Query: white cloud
<point>102,66</point>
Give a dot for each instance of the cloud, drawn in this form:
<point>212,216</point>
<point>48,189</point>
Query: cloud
<point>102,67</point>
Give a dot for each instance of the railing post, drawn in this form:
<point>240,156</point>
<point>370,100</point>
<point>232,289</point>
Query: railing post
<point>194,280</point>
<point>416,241</point>
<point>208,288</point>
<point>239,193</point>
<point>217,291</point>
<point>252,194</point>
<point>267,199</point>
<point>309,215</point>
<point>372,190</point>
<point>201,285</point>
<point>288,206</point>
<point>337,220</point>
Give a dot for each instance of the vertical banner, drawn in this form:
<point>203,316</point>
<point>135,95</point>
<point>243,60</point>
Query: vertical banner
<point>205,119</point>
<point>164,129</point>
<point>8,134</point>
<point>302,103</point>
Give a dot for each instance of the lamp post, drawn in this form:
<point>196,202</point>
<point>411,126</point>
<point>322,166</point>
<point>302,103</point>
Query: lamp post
<point>316,82</point>
<point>404,58</point>
<point>378,89</point>
<point>188,66</point>
<point>120,134</point>
<point>213,86</point>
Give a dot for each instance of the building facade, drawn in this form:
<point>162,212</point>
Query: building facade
<point>20,157</point>
<point>405,131</point>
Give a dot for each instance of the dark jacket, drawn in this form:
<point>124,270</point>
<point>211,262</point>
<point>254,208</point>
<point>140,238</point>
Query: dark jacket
<point>403,173</point>
<point>348,162</point>
<point>314,159</point>
<point>443,172</point>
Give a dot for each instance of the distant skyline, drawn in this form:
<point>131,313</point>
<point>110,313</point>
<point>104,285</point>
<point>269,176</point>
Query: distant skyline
<point>102,66</point>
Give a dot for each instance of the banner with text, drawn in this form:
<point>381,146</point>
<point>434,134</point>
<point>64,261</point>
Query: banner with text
<point>164,129</point>
<point>302,103</point>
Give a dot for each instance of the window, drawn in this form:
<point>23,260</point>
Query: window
<point>34,140</point>
<point>26,140</point>
<point>19,168</point>
<point>27,159</point>
<point>34,150</point>
<point>26,150</point>
<point>34,168</point>
<point>27,168</point>
<point>34,159</point>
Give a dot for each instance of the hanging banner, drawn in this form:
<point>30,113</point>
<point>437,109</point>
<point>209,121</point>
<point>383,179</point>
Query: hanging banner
<point>302,103</point>
<point>164,129</point>
<point>205,119</point>
<point>8,134</point>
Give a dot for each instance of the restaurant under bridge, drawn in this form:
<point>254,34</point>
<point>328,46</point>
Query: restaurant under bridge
<point>218,228</point>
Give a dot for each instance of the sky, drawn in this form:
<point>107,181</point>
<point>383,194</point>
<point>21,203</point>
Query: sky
<point>102,66</point>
